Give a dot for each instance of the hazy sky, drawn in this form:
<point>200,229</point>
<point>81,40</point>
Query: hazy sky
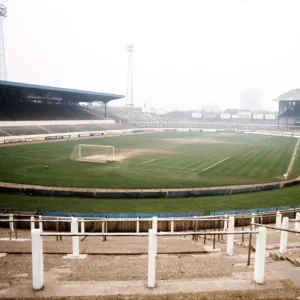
<point>188,53</point>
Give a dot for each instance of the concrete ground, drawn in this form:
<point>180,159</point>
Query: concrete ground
<point>117,269</point>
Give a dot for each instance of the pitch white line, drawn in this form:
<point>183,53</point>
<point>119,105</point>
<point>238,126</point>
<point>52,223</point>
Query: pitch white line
<point>148,161</point>
<point>215,164</point>
<point>292,161</point>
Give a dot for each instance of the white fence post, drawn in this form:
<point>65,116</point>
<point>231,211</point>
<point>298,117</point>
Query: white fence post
<point>172,224</point>
<point>260,255</point>
<point>75,239</point>
<point>37,260</point>
<point>75,242</point>
<point>278,219</point>
<point>151,257</point>
<point>297,224</point>
<point>11,224</point>
<point>230,236</point>
<point>154,223</point>
<point>82,226</point>
<point>226,223</point>
<point>41,223</point>
<point>154,227</point>
<point>284,235</point>
<point>252,220</point>
<point>137,225</point>
<point>32,223</point>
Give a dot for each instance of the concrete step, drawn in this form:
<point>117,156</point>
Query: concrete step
<point>276,256</point>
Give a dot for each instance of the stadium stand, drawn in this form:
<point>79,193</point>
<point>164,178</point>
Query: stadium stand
<point>27,111</point>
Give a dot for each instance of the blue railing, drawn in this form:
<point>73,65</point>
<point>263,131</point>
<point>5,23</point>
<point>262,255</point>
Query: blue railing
<point>121,215</point>
<point>163,215</point>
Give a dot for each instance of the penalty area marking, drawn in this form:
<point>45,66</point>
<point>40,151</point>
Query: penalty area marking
<point>148,161</point>
<point>215,164</point>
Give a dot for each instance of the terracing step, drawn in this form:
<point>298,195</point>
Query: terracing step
<point>278,256</point>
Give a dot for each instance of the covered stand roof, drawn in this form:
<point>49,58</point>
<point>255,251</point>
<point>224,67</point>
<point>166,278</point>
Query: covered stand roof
<point>13,89</point>
<point>292,95</point>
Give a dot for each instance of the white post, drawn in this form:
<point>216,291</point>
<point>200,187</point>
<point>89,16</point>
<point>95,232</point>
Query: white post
<point>278,220</point>
<point>137,225</point>
<point>172,224</point>
<point>252,220</point>
<point>103,227</point>
<point>154,227</point>
<point>82,226</point>
<point>284,235</point>
<point>41,223</point>
<point>154,223</point>
<point>32,224</point>
<point>260,255</point>
<point>151,258</point>
<point>75,239</point>
<point>37,259</point>
<point>225,223</point>
<point>11,224</point>
<point>297,224</point>
<point>230,236</point>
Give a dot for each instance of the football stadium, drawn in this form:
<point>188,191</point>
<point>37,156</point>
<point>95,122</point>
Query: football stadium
<point>101,199</point>
<point>204,184</point>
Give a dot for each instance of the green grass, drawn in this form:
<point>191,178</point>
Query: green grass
<point>287,196</point>
<point>174,165</point>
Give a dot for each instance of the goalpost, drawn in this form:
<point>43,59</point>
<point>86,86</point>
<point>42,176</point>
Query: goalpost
<point>93,153</point>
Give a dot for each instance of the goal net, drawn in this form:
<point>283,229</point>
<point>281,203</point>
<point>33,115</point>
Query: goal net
<point>93,153</point>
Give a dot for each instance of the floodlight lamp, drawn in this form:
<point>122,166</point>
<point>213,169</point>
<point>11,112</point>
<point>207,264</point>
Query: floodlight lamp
<point>3,11</point>
<point>130,47</point>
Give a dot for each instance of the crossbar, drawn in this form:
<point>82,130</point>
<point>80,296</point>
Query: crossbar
<point>275,228</point>
<point>146,233</point>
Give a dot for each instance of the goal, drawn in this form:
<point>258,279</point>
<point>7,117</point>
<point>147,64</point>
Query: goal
<point>93,153</point>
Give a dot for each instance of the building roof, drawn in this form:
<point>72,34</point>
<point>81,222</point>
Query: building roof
<point>8,87</point>
<point>292,95</point>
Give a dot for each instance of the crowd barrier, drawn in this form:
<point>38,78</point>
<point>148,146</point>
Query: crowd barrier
<point>121,215</point>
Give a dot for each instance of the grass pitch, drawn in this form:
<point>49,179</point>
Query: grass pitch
<point>283,197</point>
<point>155,160</point>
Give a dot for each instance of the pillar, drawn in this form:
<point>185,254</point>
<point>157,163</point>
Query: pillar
<point>172,224</point>
<point>151,257</point>
<point>32,223</point>
<point>75,239</point>
<point>260,255</point>
<point>11,224</point>
<point>284,235</point>
<point>154,227</point>
<point>225,223</point>
<point>41,223</point>
<point>82,226</point>
<point>230,236</point>
<point>252,220</point>
<point>37,259</point>
<point>138,225</point>
<point>297,224</point>
<point>278,219</point>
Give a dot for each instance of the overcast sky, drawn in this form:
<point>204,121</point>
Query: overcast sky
<point>188,53</point>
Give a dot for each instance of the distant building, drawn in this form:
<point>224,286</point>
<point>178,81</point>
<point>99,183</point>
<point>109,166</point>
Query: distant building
<point>251,100</point>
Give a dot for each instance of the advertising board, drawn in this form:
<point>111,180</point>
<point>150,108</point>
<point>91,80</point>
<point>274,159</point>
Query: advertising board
<point>33,139</point>
<point>196,115</point>
<point>84,134</point>
<point>270,116</point>
<point>257,116</point>
<point>244,114</point>
<point>96,133</point>
<point>58,137</point>
<point>11,141</point>
<point>225,116</point>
